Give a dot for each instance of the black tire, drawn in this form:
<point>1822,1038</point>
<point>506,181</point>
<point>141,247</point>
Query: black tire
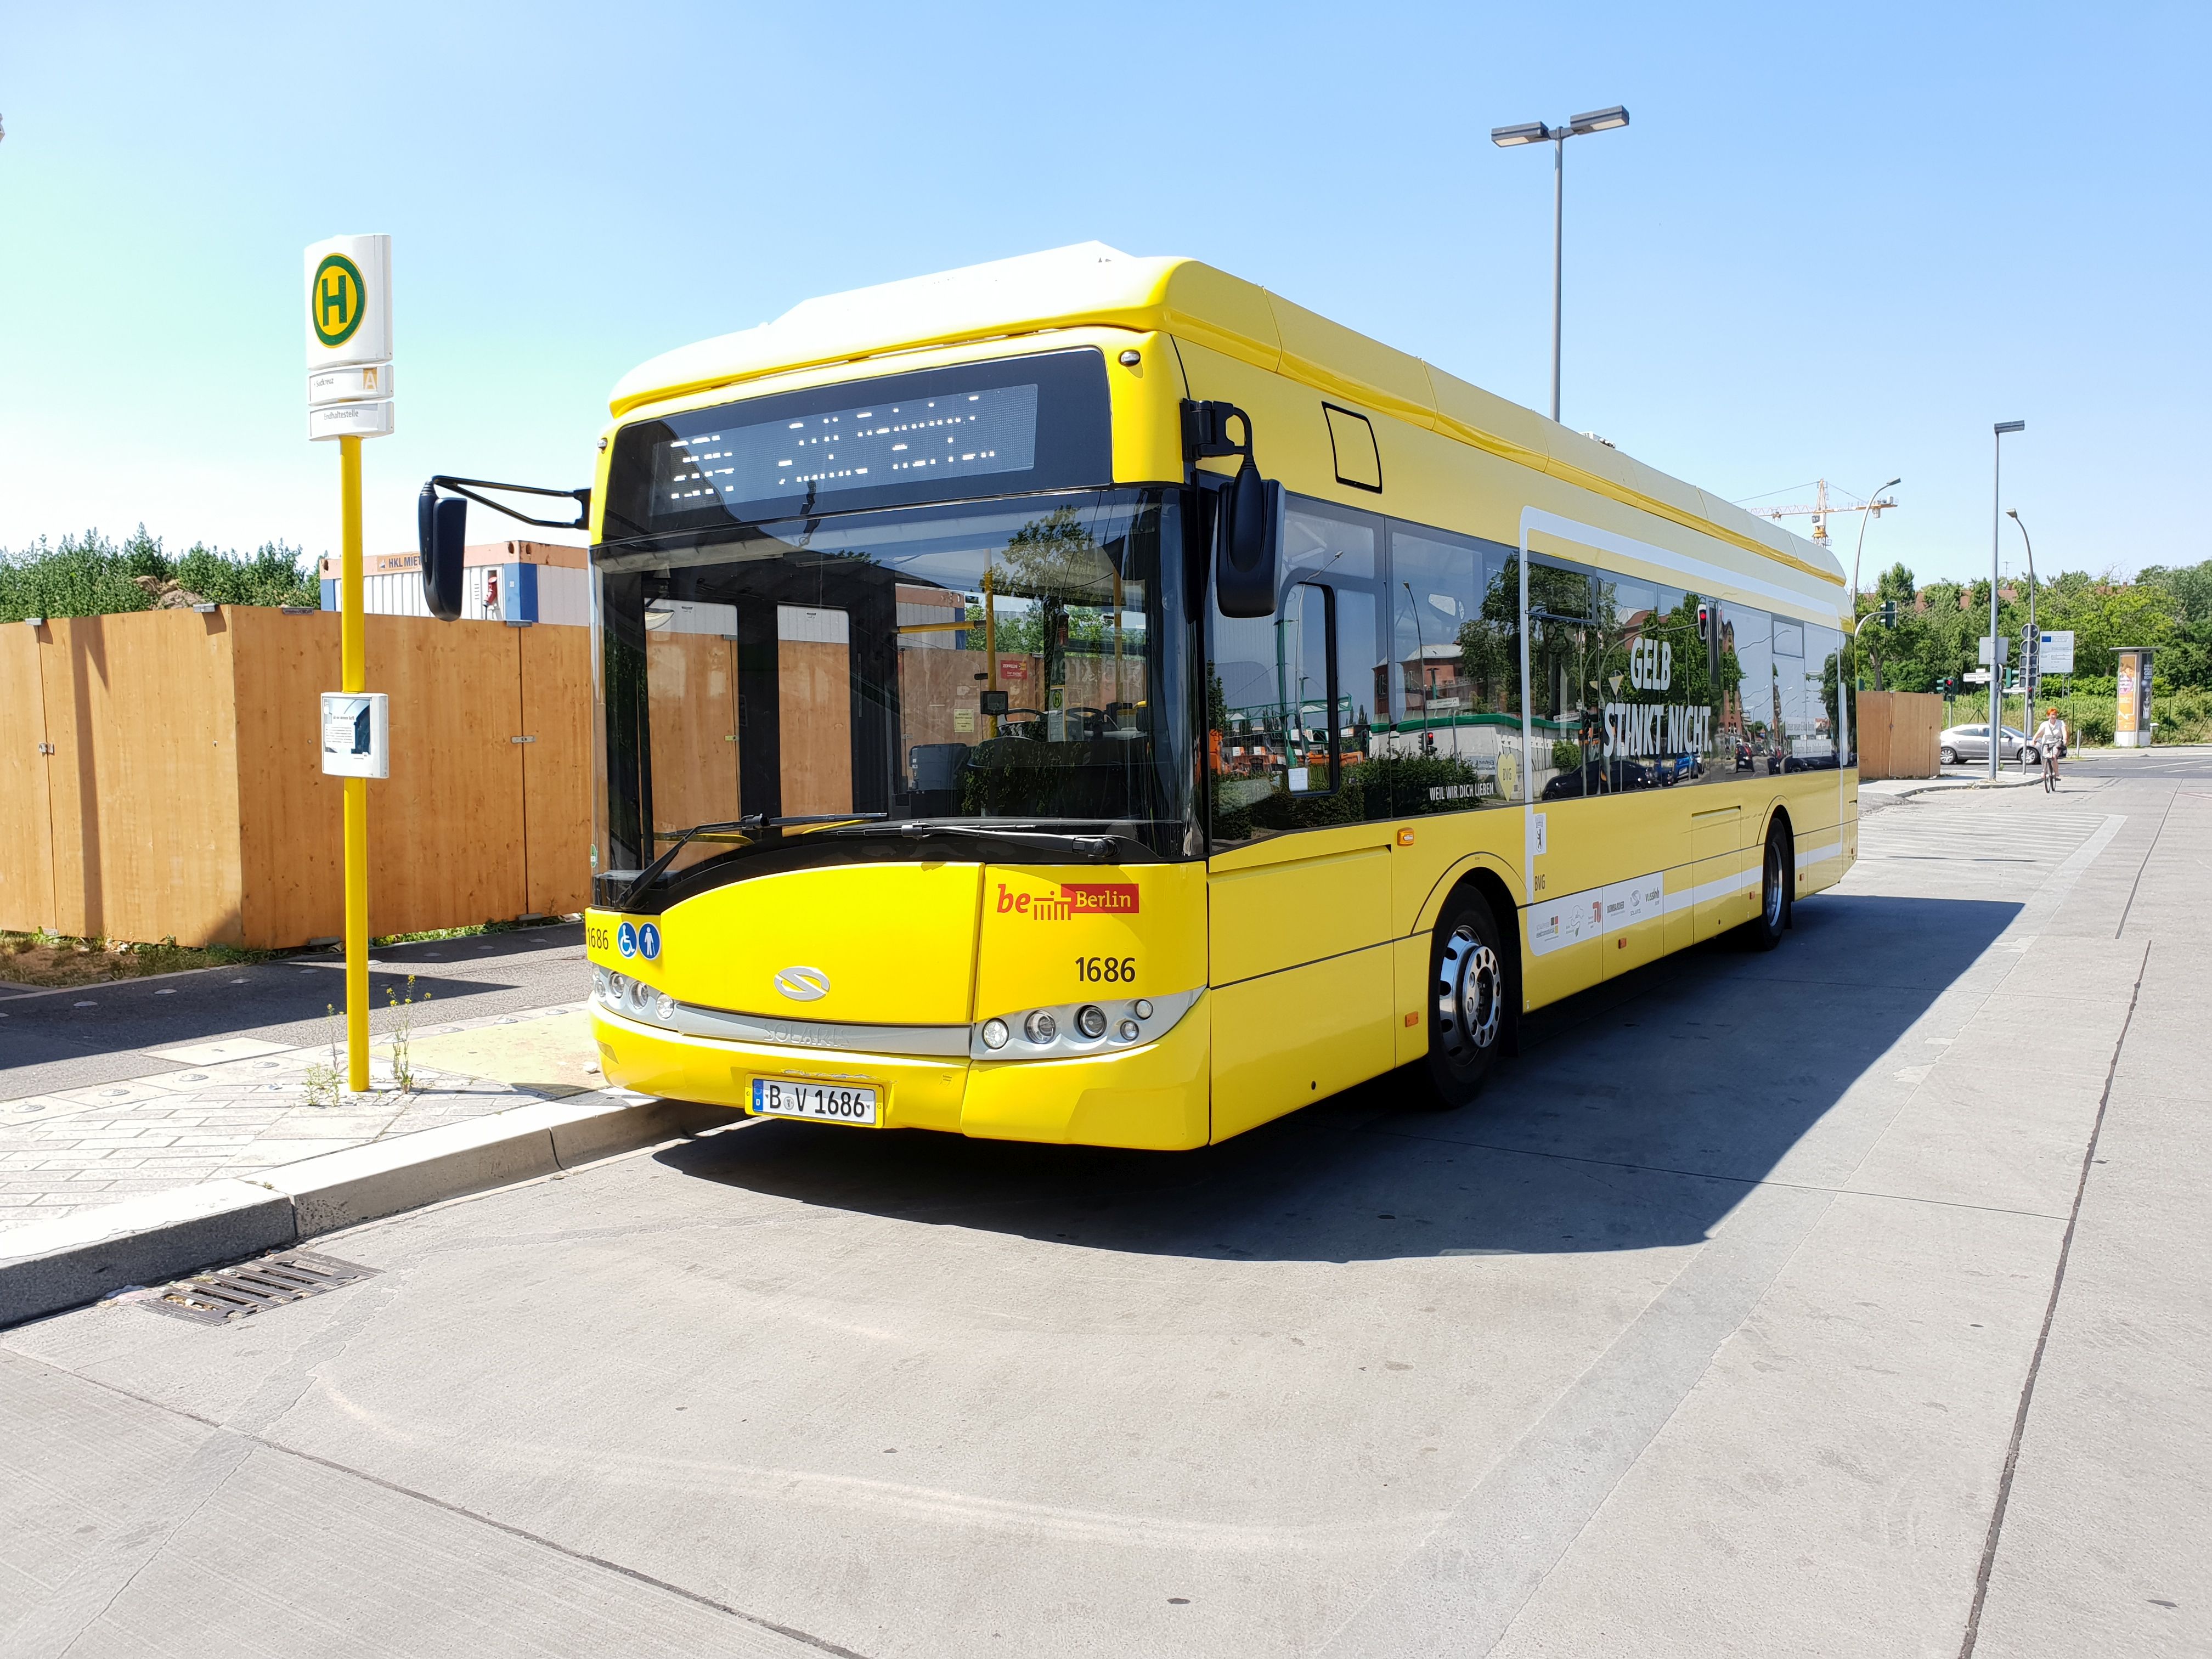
<point>1470,1004</point>
<point>1777,884</point>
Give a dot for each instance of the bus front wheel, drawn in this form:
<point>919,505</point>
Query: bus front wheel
<point>1470,1008</point>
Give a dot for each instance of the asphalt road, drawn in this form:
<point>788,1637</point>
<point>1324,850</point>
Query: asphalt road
<point>1848,1300</point>
<point>73,1039</point>
<point>2193,762</point>
<point>2181,763</point>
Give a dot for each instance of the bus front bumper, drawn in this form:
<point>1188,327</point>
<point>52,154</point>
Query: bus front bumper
<point>1154,1096</point>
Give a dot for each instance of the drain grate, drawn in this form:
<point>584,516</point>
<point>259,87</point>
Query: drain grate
<point>229,1294</point>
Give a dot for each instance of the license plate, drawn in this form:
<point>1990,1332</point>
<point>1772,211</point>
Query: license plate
<point>825,1102</point>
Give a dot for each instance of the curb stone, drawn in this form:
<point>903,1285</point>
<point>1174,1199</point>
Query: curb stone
<point>1948,786</point>
<point>46,1267</point>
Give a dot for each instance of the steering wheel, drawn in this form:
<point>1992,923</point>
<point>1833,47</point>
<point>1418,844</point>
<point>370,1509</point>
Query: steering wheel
<point>1097,722</point>
<point>1033,717</point>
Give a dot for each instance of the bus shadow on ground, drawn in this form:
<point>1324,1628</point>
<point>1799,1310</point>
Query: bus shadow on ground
<point>1637,1116</point>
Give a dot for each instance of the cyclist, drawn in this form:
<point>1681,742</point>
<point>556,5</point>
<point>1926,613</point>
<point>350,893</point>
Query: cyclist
<point>2051,742</point>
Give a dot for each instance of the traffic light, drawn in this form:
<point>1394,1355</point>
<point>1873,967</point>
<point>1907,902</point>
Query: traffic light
<point>1949,686</point>
<point>1889,613</point>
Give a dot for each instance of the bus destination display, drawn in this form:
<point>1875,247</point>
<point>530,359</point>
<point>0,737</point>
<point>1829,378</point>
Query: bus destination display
<point>960,434</point>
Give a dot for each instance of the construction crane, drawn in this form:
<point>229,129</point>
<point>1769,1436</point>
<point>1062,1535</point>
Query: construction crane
<point>1823,509</point>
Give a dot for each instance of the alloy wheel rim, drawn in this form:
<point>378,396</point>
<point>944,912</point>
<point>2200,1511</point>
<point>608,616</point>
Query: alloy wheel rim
<point>1773,886</point>
<point>1469,1001</point>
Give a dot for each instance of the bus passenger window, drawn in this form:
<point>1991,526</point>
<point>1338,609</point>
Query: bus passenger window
<point>1293,700</point>
<point>1806,671</point>
<point>1305,690</point>
<point>1659,720</point>
<point>1752,716</point>
<point>1565,660</point>
<point>1830,687</point>
<point>1453,738</point>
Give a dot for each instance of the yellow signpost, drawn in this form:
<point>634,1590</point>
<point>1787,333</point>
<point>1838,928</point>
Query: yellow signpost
<point>350,330</point>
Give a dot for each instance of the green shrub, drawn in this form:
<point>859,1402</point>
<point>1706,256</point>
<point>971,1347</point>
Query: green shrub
<point>90,576</point>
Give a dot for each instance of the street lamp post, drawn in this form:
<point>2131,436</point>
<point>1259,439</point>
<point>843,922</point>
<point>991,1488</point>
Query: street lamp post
<point>1536,132</point>
<point>1997,524</point>
<point>2028,683</point>
<point>1856,552</point>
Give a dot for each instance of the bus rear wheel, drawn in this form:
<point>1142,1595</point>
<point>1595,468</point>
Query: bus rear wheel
<point>1774,894</point>
<point>1470,1011</point>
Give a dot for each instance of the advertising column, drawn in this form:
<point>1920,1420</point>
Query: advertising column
<point>2132,724</point>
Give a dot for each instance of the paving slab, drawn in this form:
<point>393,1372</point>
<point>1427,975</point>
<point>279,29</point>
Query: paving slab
<point>220,1116</point>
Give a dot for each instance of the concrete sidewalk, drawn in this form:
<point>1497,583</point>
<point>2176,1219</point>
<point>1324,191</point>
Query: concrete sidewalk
<point>246,1149</point>
<point>240,1105</point>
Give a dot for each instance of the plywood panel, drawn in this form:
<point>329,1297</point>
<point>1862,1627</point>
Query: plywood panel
<point>556,769</point>
<point>1897,734</point>
<point>1873,734</point>
<point>691,693</point>
<point>26,835</point>
<point>1916,724</point>
<point>815,715</point>
<point>72,788</point>
<point>445,828</point>
<point>144,783</point>
<point>446,835</point>
<point>291,831</point>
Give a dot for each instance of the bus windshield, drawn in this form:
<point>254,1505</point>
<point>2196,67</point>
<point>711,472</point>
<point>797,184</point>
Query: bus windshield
<point>1009,671</point>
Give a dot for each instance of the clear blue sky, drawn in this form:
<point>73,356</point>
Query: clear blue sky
<point>1836,242</point>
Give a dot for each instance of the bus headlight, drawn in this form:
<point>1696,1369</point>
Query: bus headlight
<point>1076,1031</point>
<point>599,983</point>
<point>665,1009</point>
<point>613,988</point>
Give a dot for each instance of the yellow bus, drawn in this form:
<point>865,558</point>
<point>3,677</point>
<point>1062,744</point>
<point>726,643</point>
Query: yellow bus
<point>1089,699</point>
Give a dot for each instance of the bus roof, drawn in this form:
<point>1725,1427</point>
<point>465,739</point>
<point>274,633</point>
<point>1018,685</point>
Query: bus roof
<point>1093,285</point>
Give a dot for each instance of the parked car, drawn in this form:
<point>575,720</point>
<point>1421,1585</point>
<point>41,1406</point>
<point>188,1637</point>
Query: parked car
<point>1965,743</point>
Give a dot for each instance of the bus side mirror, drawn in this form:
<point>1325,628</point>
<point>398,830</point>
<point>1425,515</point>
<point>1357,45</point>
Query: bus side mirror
<point>440,528</point>
<point>1248,544</point>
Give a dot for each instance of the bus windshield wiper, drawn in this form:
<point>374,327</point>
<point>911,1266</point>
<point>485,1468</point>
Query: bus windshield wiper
<point>751,821</point>
<point>1097,849</point>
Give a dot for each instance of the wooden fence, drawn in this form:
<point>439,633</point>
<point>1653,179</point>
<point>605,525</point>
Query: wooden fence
<point>161,777</point>
<point>1897,734</point>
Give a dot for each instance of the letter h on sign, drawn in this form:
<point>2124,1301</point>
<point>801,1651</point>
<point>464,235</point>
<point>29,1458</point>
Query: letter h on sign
<point>333,298</point>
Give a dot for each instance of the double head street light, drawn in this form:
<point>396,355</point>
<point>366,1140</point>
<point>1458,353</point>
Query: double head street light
<point>1536,132</point>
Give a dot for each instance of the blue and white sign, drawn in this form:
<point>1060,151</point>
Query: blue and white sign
<point>648,941</point>
<point>626,939</point>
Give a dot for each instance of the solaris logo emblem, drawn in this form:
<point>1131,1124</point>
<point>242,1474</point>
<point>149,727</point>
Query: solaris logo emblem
<point>803,984</point>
